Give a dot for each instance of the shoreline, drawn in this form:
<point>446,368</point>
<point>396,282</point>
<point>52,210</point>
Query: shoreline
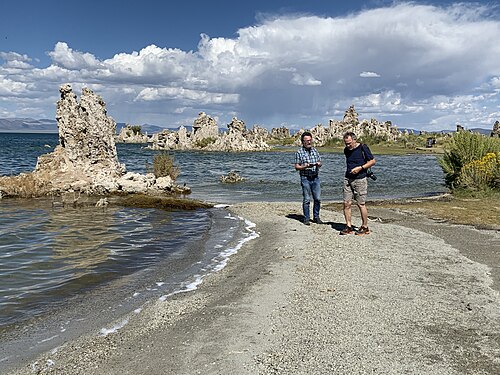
<point>405,299</point>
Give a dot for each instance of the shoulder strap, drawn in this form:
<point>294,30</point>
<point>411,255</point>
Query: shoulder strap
<point>362,145</point>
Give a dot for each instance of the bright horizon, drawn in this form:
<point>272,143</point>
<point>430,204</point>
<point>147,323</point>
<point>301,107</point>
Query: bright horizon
<point>424,65</point>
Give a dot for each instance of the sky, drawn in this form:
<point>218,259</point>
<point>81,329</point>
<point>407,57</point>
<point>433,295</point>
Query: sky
<point>422,65</point>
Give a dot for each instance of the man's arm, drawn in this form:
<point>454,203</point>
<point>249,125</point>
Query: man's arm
<point>301,167</point>
<point>368,163</point>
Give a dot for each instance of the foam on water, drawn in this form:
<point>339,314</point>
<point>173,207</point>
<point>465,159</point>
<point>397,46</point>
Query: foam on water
<point>226,236</point>
<point>115,328</point>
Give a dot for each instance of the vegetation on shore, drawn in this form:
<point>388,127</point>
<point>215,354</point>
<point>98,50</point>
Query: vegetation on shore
<point>472,162</point>
<point>163,166</point>
<point>202,143</point>
<point>478,210</point>
<point>406,144</point>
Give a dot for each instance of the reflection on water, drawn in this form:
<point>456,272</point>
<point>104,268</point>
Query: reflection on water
<point>46,253</point>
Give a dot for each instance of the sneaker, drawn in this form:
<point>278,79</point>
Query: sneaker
<point>347,230</point>
<point>362,231</point>
<point>306,222</point>
<point>317,221</point>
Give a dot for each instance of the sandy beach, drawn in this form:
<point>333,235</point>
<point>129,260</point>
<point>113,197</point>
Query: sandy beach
<point>416,297</point>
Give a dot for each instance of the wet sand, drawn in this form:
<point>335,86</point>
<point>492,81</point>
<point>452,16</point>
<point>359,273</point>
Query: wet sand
<point>416,296</point>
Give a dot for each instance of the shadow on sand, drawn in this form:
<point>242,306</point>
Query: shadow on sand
<point>334,225</point>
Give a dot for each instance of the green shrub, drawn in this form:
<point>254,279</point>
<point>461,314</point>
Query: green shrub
<point>334,142</point>
<point>413,140</point>
<point>281,142</point>
<point>370,139</point>
<point>463,149</point>
<point>163,165</point>
<point>202,143</point>
<point>482,174</point>
<point>137,129</point>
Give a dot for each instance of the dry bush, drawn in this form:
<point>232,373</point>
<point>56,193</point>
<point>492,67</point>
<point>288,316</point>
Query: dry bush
<point>163,165</point>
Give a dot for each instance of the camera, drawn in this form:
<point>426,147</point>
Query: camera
<point>370,174</point>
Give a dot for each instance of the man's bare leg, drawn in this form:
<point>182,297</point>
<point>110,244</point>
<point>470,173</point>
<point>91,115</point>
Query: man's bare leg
<point>364,215</point>
<point>347,213</point>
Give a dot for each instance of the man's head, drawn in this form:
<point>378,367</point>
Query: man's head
<point>350,140</point>
<point>306,139</point>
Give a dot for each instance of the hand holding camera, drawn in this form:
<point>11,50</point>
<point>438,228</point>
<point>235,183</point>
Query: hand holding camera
<point>370,174</point>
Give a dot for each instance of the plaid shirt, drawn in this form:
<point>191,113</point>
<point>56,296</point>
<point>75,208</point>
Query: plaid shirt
<point>303,156</point>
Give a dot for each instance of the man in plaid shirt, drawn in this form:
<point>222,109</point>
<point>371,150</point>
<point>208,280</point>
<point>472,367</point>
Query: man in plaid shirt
<point>308,162</point>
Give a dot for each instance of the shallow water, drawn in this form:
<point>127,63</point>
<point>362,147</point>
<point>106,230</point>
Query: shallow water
<point>64,272</point>
<point>47,253</point>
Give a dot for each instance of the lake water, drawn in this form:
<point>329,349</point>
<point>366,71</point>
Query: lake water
<point>54,260</point>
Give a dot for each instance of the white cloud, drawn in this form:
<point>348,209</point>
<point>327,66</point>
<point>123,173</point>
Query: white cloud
<point>495,83</point>
<point>304,80</point>
<point>11,88</point>
<point>387,102</point>
<point>175,93</point>
<point>65,57</point>
<point>179,110</point>
<point>15,60</point>
<point>429,62</point>
<point>369,75</point>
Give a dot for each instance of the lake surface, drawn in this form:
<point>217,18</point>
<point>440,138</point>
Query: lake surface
<point>268,175</point>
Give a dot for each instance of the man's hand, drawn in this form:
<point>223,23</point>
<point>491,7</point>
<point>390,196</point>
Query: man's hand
<point>356,170</point>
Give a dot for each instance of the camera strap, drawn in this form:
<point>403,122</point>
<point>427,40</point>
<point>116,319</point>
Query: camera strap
<point>369,171</point>
<point>363,151</point>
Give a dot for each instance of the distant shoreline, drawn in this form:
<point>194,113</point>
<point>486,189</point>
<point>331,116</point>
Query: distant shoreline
<point>29,132</point>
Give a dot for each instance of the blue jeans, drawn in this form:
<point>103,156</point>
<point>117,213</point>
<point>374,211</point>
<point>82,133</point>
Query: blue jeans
<point>310,187</point>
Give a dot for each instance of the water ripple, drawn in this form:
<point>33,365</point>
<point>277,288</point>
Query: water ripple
<point>46,254</point>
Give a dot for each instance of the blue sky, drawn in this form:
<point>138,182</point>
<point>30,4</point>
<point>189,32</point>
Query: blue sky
<point>426,65</point>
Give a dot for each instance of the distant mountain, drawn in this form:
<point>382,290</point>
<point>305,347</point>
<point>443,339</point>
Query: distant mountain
<point>448,131</point>
<point>481,131</point>
<point>474,130</point>
<point>409,130</point>
<point>146,128</point>
<point>27,125</point>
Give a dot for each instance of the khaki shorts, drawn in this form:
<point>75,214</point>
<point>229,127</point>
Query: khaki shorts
<point>357,188</point>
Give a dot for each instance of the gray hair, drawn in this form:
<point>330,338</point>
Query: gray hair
<point>350,134</point>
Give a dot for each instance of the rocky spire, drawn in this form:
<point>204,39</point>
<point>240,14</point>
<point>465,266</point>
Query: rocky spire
<point>496,130</point>
<point>85,159</point>
<point>351,116</point>
<point>86,149</point>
